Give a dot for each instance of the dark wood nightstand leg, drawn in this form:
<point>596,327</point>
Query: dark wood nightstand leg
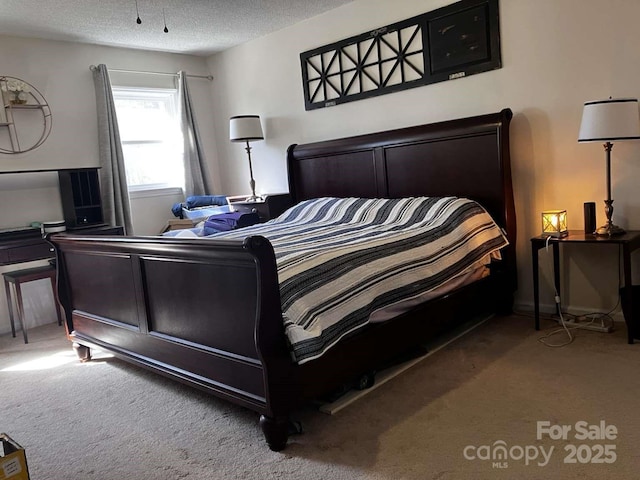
<point>536,287</point>
<point>627,293</point>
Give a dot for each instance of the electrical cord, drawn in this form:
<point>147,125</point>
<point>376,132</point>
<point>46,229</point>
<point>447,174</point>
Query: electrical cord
<point>564,328</point>
<point>607,315</point>
<point>595,315</point>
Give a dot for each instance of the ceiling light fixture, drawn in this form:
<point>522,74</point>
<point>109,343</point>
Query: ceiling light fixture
<point>166,30</point>
<point>138,21</point>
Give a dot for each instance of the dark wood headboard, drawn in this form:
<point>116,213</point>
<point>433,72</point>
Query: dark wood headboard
<point>467,157</point>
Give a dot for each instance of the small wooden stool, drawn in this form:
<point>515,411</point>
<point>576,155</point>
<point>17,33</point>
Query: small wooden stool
<point>18,277</point>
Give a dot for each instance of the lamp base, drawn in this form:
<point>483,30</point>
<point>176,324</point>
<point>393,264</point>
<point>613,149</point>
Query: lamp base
<point>254,198</point>
<point>609,230</point>
<point>556,234</point>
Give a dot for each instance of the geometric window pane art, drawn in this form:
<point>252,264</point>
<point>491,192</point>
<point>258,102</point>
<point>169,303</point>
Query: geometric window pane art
<point>451,42</point>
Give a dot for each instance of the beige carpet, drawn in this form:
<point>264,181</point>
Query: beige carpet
<point>109,420</point>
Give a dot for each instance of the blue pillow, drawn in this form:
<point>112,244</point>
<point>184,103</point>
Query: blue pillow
<point>224,222</point>
<point>196,201</point>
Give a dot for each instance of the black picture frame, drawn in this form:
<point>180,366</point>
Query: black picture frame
<point>451,42</point>
<point>463,40</point>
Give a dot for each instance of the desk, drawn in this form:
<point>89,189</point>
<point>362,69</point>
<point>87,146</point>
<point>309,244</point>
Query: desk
<point>27,244</point>
<point>24,245</point>
<point>629,242</point>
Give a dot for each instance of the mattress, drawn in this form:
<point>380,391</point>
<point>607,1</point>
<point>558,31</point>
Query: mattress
<point>345,262</point>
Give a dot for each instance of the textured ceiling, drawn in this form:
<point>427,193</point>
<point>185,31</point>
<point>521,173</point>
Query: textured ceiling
<point>198,27</point>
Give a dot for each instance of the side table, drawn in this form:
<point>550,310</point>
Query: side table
<point>629,242</point>
<point>270,207</point>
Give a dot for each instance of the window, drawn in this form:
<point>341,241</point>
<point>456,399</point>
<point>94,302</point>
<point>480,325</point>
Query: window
<point>151,137</point>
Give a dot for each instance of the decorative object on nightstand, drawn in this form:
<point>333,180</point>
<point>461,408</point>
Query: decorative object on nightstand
<point>608,121</point>
<point>554,223</point>
<point>589,217</point>
<point>247,128</point>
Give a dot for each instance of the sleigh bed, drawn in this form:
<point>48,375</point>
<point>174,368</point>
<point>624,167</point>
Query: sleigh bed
<point>208,312</point>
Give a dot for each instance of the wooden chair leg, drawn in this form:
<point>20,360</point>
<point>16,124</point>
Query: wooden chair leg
<point>55,302</point>
<point>21,311</point>
<point>7,288</point>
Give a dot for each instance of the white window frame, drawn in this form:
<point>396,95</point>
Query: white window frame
<point>146,93</point>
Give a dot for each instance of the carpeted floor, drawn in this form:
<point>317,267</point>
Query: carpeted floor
<point>109,420</point>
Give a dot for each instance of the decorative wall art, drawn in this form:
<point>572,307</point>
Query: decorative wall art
<point>451,42</point>
<point>25,116</point>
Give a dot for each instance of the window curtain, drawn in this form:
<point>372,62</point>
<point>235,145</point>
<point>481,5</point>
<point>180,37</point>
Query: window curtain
<point>197,181</point>
<point>113,179</point>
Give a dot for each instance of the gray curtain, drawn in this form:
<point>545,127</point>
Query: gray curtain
<point>197,181</point>
<point>113,179</point>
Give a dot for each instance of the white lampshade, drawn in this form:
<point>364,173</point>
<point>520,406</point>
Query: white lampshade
<point>245,128</point>
<point>610,120</point>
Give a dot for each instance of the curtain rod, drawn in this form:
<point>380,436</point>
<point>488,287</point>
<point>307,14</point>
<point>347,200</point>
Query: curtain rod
<point>208,77</point>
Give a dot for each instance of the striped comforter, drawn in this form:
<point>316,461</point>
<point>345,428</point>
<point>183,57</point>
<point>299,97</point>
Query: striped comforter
<point>341,259</point>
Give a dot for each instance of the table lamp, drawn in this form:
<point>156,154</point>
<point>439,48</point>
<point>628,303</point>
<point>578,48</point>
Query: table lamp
<point>554,223</point>
<point>247,128</point>
<point>608,121</point>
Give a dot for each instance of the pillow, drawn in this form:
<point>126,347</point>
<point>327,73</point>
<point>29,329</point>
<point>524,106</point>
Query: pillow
<point>224,222</point>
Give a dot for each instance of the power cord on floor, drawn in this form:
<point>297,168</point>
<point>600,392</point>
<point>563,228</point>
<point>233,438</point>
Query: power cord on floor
<point>595,316</point>
<point>564,328</point>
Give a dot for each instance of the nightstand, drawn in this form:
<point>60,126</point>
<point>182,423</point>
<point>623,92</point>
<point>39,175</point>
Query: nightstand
<point>270,207</point>
<point>629,242</point>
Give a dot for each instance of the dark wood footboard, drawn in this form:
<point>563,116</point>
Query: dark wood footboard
<point>203,312</point>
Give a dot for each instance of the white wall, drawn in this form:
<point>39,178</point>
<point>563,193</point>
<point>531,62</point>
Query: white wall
<point>556,55</point>
<point>60,71</point>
